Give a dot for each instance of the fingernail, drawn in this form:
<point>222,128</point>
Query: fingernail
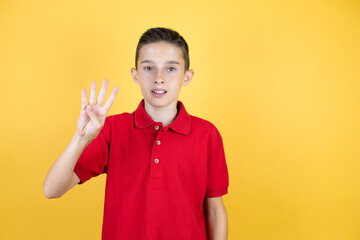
<point>89,108</point>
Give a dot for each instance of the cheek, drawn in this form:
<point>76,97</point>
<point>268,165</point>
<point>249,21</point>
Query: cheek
<point>144,84</point>
<point>145,79</point>
<point>176,83</point>
<point>146,74</point>
<point>144,89</point>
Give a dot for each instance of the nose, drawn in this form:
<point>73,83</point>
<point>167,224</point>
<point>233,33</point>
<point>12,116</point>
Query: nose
<point>159,77</point>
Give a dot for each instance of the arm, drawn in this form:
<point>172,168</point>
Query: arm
<point>216,219</point>
<point>61,177</point>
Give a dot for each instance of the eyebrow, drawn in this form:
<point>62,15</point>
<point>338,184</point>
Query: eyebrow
<point>149,61</point>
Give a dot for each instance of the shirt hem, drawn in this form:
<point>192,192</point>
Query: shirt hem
<point>217,192</point>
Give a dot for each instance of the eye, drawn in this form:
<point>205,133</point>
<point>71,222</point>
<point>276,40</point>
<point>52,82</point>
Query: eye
<point>148,68</point>
<point>171,69</point>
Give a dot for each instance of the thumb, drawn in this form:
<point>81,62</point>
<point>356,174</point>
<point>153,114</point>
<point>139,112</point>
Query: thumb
<point>95,121</point>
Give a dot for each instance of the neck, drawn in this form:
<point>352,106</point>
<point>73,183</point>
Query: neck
<point>165,115</point>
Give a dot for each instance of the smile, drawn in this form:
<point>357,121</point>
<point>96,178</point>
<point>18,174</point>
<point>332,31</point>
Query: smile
<point>159,92</point>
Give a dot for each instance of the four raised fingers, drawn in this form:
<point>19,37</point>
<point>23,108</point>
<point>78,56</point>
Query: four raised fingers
<point>101,96</point>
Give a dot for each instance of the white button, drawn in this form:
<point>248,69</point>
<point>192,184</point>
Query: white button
<point>158,142</point>
<point>156,160</point>
<point>156,127</point>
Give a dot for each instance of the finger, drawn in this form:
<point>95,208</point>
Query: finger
<point>111,99</point>
<point>92,93</point>
<point>83,99</point>
<point>102,93</point>
<point>83,120</point>
<point>95,121</point>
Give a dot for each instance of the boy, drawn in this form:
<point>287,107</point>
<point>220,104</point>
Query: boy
<point>166,169</point>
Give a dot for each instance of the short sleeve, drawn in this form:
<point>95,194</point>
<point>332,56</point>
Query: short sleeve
<point>218,177</point>
<point>93,160</point>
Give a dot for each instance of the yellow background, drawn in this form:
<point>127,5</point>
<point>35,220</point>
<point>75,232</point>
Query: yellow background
<point>280,80</point>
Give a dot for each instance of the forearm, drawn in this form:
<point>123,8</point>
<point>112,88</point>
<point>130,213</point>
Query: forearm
<point>60,174</point>
<point>217,225</point>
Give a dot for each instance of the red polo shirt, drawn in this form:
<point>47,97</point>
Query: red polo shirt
<point>157,177</point>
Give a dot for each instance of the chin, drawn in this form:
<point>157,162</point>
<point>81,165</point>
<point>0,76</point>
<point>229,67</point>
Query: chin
<point>159,102</point>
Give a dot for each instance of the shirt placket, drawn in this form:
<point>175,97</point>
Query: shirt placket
<point>157,155</point>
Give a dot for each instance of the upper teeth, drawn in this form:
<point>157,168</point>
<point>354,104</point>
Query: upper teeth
<point>159,92</point>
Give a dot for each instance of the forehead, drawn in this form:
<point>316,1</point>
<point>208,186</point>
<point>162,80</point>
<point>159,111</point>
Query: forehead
<point>161,52</point>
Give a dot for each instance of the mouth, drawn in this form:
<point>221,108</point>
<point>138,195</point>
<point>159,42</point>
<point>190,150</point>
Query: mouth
<point>159,93</point>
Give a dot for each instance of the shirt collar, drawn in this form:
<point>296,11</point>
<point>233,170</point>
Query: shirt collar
<point>181,124</point>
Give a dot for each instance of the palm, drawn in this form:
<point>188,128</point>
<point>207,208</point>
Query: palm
<point>91,122</point>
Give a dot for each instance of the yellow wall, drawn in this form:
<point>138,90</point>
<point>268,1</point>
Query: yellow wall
<point>280,80</point>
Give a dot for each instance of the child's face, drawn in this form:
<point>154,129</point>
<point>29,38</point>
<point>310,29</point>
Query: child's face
<point>161,69</point>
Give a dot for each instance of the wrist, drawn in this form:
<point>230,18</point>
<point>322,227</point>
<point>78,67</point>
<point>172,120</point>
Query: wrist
<point>80,141</point>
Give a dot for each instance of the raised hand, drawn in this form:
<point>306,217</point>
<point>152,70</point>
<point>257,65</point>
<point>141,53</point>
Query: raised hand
<point>92,116</point>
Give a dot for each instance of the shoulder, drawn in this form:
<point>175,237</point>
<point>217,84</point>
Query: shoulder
<point>201,122</point>
<point>203,125</point>
<point>121,119</point>
<point>207,133</point>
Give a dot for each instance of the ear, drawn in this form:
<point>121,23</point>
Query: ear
<point>188,76</point>
<point>134,75</point>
